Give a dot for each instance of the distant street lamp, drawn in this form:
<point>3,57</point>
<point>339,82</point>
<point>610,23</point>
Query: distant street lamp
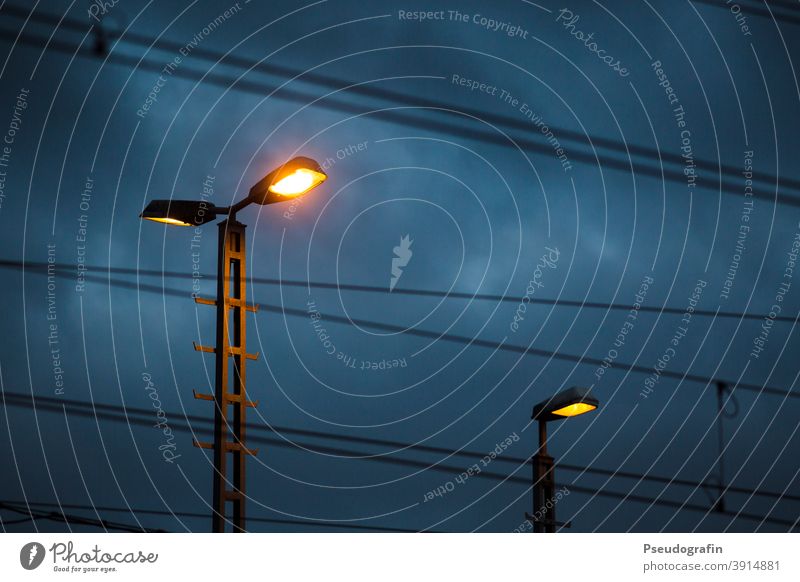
<point>572,402</point>
<point>294,178</point>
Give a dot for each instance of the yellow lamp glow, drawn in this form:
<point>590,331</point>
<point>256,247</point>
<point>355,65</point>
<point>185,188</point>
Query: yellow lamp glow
<point>180,212</point>
<point>575,409</point>
<point>299,182</point>
<point>172,221</point>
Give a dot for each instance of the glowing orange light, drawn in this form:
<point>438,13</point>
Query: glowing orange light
<point>575,409</point>
<point>165,220</point>
<point>299,182</point>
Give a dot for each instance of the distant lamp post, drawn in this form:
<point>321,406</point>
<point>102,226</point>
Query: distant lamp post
<point>568,403</point>
<point>294,178</point>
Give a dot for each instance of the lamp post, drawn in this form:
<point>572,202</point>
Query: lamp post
<point>294,178</point>
<point>572,402</point>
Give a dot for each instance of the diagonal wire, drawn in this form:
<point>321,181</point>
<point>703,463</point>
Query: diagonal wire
<point>336,83</point>
<point>142,511</point>
<point>114,413</point>
<point>429,334</point>
<point>731,185</point>
<point>42,266</point>
<point>449,469</point>
<point>73,519</point>
<point>787,15</point>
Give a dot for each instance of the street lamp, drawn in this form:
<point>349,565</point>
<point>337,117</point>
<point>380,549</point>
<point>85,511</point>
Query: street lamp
<point>294,178</point>
<point>568,403</point>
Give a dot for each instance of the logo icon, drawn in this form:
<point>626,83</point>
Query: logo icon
<point>31,555</point>
<point>402,256</point>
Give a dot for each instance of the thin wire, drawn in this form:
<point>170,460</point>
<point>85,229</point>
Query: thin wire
<point>41,266</point>
<point>138,511</point>
<point>331,82</point>
<point>785,16</point>
<point>500,298</point>
<point>48,403</point>
<point>731,186</point>
<point>74,519</point>
<point>16,521</point>
<point>495,345</point>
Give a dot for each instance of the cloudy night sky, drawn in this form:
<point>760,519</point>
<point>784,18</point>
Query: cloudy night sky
<point>522,197</point>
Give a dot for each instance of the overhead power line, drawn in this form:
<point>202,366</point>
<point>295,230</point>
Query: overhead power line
<point>194,514</point>
<point>528,350</point>
<point>335,83</point>
<point>624,166</point>
<point>90,409</point>
<point>131,415</point>
<point>402,291</point>
<point>41,266</point>
<point>783,14</point>
<point>69,519</point>
<point>731,185</point>
<point>492,344</point>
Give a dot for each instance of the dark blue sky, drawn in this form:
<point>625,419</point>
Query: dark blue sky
<point>436,129</point>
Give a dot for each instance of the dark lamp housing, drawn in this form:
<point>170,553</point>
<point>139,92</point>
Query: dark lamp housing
<point>294,178</point>
<point>180,212</point>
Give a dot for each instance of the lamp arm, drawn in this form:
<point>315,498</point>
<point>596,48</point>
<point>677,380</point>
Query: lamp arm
<point>232,210</point>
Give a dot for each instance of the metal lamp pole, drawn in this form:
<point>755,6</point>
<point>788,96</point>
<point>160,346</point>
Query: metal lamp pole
<point>295,178</point>
<point>230,380</point>
<point>544,485</point>
<point>572,402</point>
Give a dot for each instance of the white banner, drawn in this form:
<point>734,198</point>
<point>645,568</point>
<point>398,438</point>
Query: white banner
<point>401,557</point>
